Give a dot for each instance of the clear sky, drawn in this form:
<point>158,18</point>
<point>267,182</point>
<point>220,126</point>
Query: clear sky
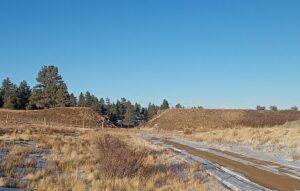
<point>215,53</point>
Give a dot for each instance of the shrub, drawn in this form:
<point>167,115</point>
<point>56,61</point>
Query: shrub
<point>273,108</point>
<point>188,131</point>
<point>295,108</point>
<point>117,159</point>
<point>260,108</point>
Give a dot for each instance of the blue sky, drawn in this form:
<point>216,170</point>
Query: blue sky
<point>215,53</point>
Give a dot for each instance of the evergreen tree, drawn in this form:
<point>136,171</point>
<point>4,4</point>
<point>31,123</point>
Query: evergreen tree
<point>102,106</point>
<point>62,97</point>
<point>51,91</point>
<point>88,99</point>
<point>81,100</point>
<point>137,108</point>
<point>9,94</point>
<point>35,97</point>
<point>113,113</point>
<point>107,104</point>
<point>23,95</point>
<point>294,108</point>
<point>178,106</point>
<point>72,100</point>
<point>95,105</point>
<point>164,105</point>
<point>152,111</point>
<point>130,115</point>
<point>122,107</point>
<point>144,113</point>
<point>273,108</point>
<point>1,97</point>
<point>120,111</point>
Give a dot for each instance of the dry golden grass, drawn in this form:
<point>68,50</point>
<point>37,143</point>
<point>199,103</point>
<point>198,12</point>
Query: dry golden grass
<point>55,116</point>
<point>279,138</point>
<point>207,119</point>
<point>88,159</point>
<point>272,136</point>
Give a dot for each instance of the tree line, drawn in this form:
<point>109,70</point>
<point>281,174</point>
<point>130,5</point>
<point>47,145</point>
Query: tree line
<point>51,91</point>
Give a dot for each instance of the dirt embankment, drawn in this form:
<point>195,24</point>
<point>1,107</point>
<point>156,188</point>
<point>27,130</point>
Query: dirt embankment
<point>76,117</point>
<point>181,119</point>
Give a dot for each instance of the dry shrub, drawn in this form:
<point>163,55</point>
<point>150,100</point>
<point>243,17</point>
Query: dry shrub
<point>4,130</point>
<point>117,159</point>
<point>188,131</point>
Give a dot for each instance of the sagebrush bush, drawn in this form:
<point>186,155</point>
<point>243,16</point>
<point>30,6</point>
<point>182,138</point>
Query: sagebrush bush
<point>117,159</point>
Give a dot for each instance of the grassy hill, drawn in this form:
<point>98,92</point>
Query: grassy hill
<point>75,117</point>
<point>180,119</point>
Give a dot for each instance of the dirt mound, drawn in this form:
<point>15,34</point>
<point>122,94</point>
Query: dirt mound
<point>75,117</point>
<point>181,119</point>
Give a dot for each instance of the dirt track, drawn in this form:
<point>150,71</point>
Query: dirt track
<point>265,178</point>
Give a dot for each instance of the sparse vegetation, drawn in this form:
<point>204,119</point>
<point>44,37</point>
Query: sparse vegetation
<point>74,117</point>
<point>91,160</point>
<point>209,119</point>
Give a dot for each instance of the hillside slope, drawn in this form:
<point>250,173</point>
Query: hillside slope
<point>179,119</point>
<point>76,117</point>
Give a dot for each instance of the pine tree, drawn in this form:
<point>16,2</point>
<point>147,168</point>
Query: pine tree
<point>51,91</point>
<point>164,105</point>
<point>113,113</point>
<point>107,102</point>
<point>95,105</point>
<point>23,95</point>
<point>152,111</point>
<point>102,106</point>
<point>9,94</point>
<point>178,106</point>
<point>122,107</point>
<point>137,108</point>
<point>1,97</point>
<point>88,99</point>
<point>72,100</point>
<point>81,100</point>
<point>130,115</point>
<point>34,99</point>
<point>144,113</point>
<point>62,97</point>
<point>107,105</point>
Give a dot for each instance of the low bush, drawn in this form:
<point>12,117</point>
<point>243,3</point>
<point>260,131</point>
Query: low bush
<point>117,159</point>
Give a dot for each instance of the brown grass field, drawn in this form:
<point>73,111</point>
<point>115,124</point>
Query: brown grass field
<point>60,155</point>
<point>277,131</point>
<point>201,119</point>
<point>39,157</point>
<point>76,117</point>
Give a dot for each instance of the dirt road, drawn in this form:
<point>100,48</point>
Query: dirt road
<point>254,173</point>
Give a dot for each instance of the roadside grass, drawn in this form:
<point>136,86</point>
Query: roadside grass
<point>279,138</point>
